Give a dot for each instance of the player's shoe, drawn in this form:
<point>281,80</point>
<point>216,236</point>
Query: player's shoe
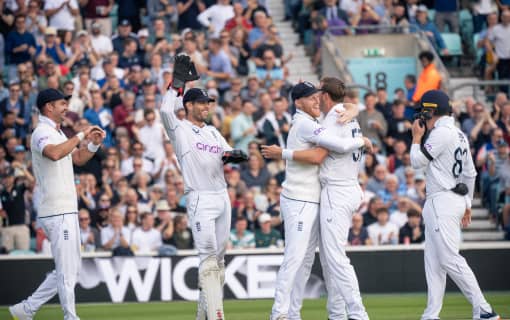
<point>18,312</point>
<point>490,316</point>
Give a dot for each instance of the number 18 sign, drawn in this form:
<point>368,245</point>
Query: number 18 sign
<point>377,72</point>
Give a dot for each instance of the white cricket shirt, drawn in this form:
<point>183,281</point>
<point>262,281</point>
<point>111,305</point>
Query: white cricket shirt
<point>452,162</point>
<point>302,180</point>
<point>342,169</point>
<point>198,149</point>
<point>54,179</point>
<point>146,241</point>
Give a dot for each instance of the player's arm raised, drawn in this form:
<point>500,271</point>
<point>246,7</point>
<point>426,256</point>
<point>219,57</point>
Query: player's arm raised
<point>422,153</point>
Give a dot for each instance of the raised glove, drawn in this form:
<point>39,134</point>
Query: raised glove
<point>234,156</point>
<point>184,71</point>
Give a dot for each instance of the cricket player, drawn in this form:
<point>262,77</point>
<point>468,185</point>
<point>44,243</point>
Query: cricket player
<point>445,155</point>
<point>53,156</point>
<point>201,152</point>
<point>300,202</point>
<point>340,196</point>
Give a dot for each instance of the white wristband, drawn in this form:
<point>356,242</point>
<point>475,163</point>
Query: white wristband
<point>93,147</point>
<point>287,154</point>
<point>80,136</point>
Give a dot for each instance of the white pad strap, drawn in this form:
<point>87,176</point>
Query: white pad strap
<point>210,282</point>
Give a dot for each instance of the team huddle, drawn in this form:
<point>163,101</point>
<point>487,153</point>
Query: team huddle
<point>320,194</point>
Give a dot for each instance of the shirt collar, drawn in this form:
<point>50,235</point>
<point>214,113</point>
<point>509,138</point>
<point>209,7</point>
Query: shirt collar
<point>306,115</point>
<point>444,121</point>
<point>48,121</point>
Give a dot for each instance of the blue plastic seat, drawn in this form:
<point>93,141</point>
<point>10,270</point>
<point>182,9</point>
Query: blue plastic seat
<point>453,43</point>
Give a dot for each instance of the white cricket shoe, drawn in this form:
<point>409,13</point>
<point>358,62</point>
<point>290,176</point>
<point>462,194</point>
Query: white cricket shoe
<point>18,312</point>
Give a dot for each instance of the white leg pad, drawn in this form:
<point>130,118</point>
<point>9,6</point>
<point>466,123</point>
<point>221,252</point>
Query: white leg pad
<point>210,282</point>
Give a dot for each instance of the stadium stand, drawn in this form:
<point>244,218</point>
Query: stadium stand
<point>117,79</point>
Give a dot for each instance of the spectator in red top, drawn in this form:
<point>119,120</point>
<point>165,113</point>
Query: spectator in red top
<point>124,114</point>
<point>238,20</point>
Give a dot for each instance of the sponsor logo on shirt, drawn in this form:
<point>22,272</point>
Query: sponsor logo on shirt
<point>428,146</point>
<point>209,148</point>
<point>318,130</point>
<point>41,140</point>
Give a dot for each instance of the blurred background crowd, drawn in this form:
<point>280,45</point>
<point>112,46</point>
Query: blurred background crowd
<point>115,59</point>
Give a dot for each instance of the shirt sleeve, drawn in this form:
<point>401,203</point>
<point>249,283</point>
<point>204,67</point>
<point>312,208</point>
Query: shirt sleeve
<point>223,142</point>
<point>167,112</point>
<point>317,134</point>
<point>40,139</point>
<point>204,17</point>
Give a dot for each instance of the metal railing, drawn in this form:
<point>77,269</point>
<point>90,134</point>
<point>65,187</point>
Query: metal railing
<point>478,83</point>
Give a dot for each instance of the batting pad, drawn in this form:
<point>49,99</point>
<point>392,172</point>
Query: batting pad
<point>210,282</point>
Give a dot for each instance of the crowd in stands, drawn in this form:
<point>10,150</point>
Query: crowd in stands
<point>131,195</point>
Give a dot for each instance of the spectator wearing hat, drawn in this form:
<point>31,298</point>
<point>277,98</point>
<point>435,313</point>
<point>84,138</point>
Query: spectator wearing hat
<point>61,13</point>
<point>358,234</point>
<point>188,11</point>
<point>21,164</point>
<point>100,39</point>
<point>414,230</point>
<point>36,20</point>
<point>15,234</point>
<point>52,46</point>
<point>129,56</point>
<point>98,12</point>
<point>240,238</point>
<point>123,33</point>
<point>130,10</point>
<point>266,236</point>
<point>424,24</point>
<point>429,79</point>
<point>20,46</point>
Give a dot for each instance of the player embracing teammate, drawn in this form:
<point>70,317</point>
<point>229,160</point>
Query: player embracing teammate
<point>334,190</point>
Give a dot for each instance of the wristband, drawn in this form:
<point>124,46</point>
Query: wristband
<point>287,154</point>
<point>80,136</point>
<point>93,147</point>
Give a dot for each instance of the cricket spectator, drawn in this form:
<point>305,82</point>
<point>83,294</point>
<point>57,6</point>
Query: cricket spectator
<point>240,238</point>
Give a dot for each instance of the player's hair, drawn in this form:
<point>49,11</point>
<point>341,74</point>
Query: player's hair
<point>381,89</point>
<point>368,94</point>
<point>144,215</point>
<point>398,102</point>
<point>411,78</point>
<point>334,87</point>
<point>147,112</point>
<point>413,213</point>
<point>426,55</point>
<point>381,210</point>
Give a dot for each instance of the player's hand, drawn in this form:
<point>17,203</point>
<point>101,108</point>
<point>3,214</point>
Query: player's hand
<point>369,148</point>
<point>184,71</point>
<point>350,113</point>
<point>466,219</point>
<point>418,130</point>
<point>272,152</point>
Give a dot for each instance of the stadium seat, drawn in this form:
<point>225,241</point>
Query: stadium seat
<point>466,26</point>
<point>114,17</point>
<point>453,43</point>
<point>478,51</point>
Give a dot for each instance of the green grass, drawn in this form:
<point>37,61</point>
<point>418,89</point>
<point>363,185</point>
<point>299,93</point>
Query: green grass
<point>379,307</point>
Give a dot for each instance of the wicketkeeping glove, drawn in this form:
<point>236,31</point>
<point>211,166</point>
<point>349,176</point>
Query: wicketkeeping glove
<point>234,156</point>
<point>184,71</point>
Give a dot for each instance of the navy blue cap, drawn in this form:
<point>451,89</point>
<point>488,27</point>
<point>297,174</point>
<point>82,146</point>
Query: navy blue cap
<point>124,23</point>
<point>437,100</point>
<point>303,89</point>
<point>196,95</point>
<point>49,95</point>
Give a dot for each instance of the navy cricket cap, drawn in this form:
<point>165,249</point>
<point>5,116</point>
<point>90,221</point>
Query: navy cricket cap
<point>303,89</point>
<point>49,95</point>
<point>436,100</point>
<point>196,95</point>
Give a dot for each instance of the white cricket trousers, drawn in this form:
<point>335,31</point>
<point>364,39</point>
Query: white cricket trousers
<point>338,203</point>
<point>210,213</point>
<point>442,215</point>
<point>301,222</point>
<point>63,232</point>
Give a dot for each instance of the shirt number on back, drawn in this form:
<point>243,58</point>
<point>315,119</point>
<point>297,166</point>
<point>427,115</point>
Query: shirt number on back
<point>356,156</point>
<point>459,155</point>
